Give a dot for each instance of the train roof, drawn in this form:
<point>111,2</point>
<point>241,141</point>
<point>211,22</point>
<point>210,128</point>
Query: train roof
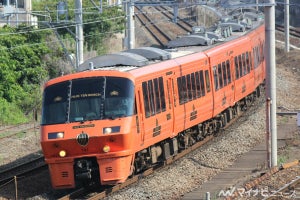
<point>201,39</point>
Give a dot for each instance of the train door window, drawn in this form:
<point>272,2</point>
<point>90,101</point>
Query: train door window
<point>224,73</point>
<point>189,87</point>
<point>216,78</point>
<point>236,67</point>
<point>207,81</point>
<point>193,85</point>
<point>169,95</point>
<point>240,66</point>
<point>220,76</point>
<point>198,84</point>
<point>156,96</point>
<point>202,83</point>
<point>174,92</point>
<point>146,99</point>
<point>228,71</point>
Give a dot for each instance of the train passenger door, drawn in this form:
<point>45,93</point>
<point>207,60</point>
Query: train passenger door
<point>140,117</point>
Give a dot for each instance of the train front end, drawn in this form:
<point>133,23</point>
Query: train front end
<point>86,130</point>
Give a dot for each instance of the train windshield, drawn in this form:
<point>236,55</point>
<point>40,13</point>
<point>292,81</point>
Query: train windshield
<point>88,99</point>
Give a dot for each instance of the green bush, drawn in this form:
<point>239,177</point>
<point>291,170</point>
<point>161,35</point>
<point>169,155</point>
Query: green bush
<point>10,113</point>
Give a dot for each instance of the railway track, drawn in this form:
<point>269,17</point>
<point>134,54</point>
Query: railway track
<point>185,26</point>
<point>22,169</point>
<point>153,29</point>
<point>289,191</point>
<point>10,131</point>
<point>293,31</point>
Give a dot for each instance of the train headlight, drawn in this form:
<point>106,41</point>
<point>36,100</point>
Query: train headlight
<point>56,135</point>
<point>62,153</point>
<point>113,129</point>
<point>106,149</point>
<point>60,135</point>
<point>107,130</point>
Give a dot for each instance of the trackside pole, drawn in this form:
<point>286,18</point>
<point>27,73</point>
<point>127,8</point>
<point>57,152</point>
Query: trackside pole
<point>271,76</point>
<point>287,24</point>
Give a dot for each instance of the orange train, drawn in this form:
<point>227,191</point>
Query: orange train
<point>134,109</point>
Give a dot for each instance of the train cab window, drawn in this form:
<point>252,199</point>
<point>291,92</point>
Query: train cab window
<point>228,71</point>
<point>216,78</point>
<point>224,73</point>
<point>207,82</point>
<point>88,99</point>
<point>189,87</point>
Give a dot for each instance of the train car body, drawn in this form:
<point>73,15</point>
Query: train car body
<point>104,124</point>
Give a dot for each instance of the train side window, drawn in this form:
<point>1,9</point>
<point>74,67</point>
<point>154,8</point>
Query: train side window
<point>207,81</point>
<point>236,67</point>
<point>156,96</point>
<point>202,83</point>
<point>228,72</point>
<point>241,66</point>
<point>193,85</point>
<point>182,90</point>
<point>216,78</point>
<point>248,62</point>
<point>198,84</point>
<point>162,94</point>
<point>256,57</point>
<point>244,64</point>
<point>224,73</point>
<point>263,50</point>
<point>189,87</point>
<point>146,99</point>
<point>151,97</point>
<point>220,76</point>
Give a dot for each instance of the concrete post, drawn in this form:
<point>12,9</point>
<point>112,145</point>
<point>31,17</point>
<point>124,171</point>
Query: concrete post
<point>287,24</point>
<point>271,75</point>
